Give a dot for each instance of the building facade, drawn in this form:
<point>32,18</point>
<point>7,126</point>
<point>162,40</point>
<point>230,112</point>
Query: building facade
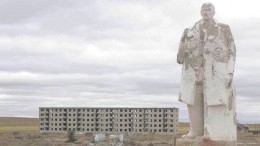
<point>109,120</point>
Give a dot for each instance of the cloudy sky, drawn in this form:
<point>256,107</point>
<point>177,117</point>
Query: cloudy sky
<point>82,53</point>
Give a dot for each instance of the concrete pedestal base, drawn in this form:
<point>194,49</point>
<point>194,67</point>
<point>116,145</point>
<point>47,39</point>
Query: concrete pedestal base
<point>195,142</point>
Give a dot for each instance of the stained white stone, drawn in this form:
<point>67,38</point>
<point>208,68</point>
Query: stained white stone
<point>121,137</point>
<point>100,137</point>
<point>207,52</point>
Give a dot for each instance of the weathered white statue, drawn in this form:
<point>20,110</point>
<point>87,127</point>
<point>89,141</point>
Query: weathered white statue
<point>207,52</point>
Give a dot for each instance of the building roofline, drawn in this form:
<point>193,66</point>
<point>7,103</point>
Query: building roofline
<point>108,107</point>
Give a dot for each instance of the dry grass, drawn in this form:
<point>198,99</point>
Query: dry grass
<point>24,132</point>
<point>10,124</point>
<point>183,128</point>
<point>242,137</point>
<point>254,126</point>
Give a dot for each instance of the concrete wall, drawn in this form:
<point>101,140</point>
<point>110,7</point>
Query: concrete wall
<point>109,120</point>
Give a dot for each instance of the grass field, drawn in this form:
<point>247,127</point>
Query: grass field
<point>24,132</point>
<point>10,124</point>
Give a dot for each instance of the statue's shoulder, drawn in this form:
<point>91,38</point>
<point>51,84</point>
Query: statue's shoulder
<point>185,32</point>
<point>223,25</point>
<point>187,29</point>
<point>192,27</point>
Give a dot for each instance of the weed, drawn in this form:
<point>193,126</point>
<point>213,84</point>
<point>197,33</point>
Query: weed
<point>71,136</point>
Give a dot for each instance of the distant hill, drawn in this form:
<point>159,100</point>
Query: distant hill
<point>18,121</point>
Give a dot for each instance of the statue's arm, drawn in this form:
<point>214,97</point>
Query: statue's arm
<point>231,58</point>
<point>232,53</point>
<point>181,52</point>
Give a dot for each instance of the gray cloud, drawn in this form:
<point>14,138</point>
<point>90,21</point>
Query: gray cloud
<point>109,53</point>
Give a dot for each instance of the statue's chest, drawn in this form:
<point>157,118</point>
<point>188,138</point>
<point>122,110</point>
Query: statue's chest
<point>208,32</point>
<point>213,44</point>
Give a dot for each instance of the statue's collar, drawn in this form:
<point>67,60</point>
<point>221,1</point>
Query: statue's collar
<point>213,21</point>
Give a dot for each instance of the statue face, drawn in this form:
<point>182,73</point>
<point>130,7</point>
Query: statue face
<point>207,11</point>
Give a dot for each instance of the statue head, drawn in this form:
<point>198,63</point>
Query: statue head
<point>207,11</point>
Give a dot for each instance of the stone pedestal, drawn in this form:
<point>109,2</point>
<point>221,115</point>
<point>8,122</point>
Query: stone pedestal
<point>200,142</point>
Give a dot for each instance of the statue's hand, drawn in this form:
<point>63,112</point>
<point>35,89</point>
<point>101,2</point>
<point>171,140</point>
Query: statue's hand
<point>180,61</point>
<point>228,80</point>
<point>181,58</point>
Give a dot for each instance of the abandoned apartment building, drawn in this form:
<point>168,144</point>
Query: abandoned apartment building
<point>109,120</point>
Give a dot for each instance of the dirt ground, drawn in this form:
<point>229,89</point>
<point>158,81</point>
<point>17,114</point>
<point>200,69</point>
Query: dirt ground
<point>24,132</point>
